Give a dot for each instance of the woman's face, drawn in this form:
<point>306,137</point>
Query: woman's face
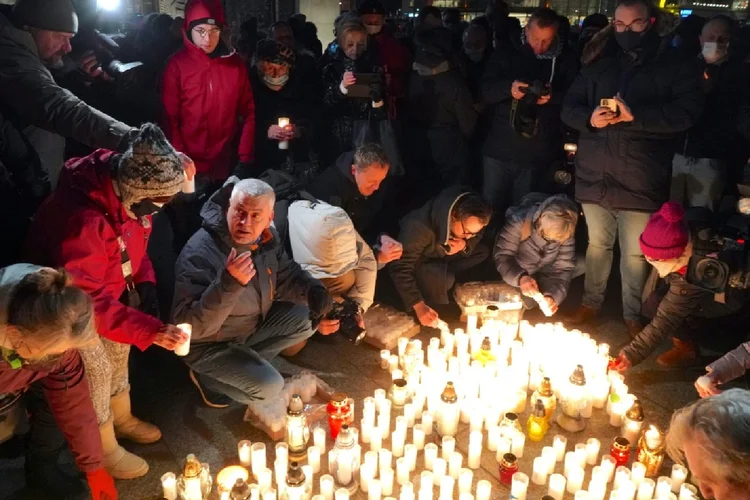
<point>354,44</point>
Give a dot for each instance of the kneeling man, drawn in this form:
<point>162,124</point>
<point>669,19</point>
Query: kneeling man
<point>246,300</point>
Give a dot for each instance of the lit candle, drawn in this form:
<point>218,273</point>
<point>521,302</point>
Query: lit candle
<point>269,495</point>
<point>476,420</point>
<point>638,473</point>
<point>265,477</point>
<point>663,486</point>
<point>519,486</point>
<point>609,464</point>
<point>615,417</point>
<point>385,460</point>
<point>454,464</point>
<point>484,489</point>
<point>622,474</point>
<point>550,457</point>
<point>402,471</point>
<point>410,452</point>
<point>407,492</point>
<point>465,478</point>
<point>556,486</point>
<point>376,440</point>
<point>280,467</point>
<point>504,445</point>
<point>447,484</point>
<point>410,414</point>
<point>283,123</point>
<point>258,453</point>
<point>439,469</point>
<point>580,452</point>
<point>326,486</point>
<point>540,471</point>
<point>575,479</point>
<point>371,459</point>
<point>679,474</point>
<point>386,481</point>
<point>313,459</point>
<point>367,430</point>
<point>427,423</point>
<point>319,440</point>
<point>243,450</point>
<point>183,349</point>
<point>307,471</point>
<point>559,444</point>
<point>341,494</point>
<point>646,490</point>
<point>582,495</point>
<point>418,435</point>
<point>449,446</point>
<point>385,355</point>
<point>688,492</point>
<point>169,486</point>
<point>366,476</point>
<point>471,323</point>
<point>475,450</point>
<point>598,488</point>
<point>396,375</point>
<point>518,442</point>
<point>398,439</point>
<point>374,490</point>
<point>493,437</point>
<point>593,446</point>
<point>426,481</point>
<point>430,454</point>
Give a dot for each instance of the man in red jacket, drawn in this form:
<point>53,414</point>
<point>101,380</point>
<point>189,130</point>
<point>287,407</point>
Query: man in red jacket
<point>96,225</point>
<point>206,92</point>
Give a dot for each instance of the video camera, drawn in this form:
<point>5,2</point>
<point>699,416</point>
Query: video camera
<point>346,312</point>
<point>536,90</point>
<point>523,111</point>
<point>106,50</point>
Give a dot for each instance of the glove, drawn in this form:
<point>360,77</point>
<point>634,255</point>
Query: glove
<point>101,484</point>
<point>319,301</point>
<point>149,298</point>
<point>243,170</point>
<point>377,90</point>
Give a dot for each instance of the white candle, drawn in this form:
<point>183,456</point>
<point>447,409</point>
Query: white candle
<point>269,495</point>
<point>571,460</point>
<point>454,464</point>
<point>575,479</point>
<point>638,473</point>
<point>615,417</point>
<point>646,490</point>
<point>407,492</point>
<point>484,489</point>
<point>556,486</point>
<point>374,490</point>
<point>283,122</point>
<point>622,474</point>
<point>341,494</point>
<point>427,423</point>
<point>581,454</point>
<point>688,492</point>
<point>410,414</point>
<point>418,437</point>
<point>184,348</point>
<point>430,454</point>
<point>471,323</point>
<point>476,420</point>
<point>519,486</point>
<point>402,471</point>
<point>628,489</point>
<point>653,438</point>
<point>475,450</point>
<point>663,486</point>
<point>447,484</point>
<point>504,446</point>
<point>632,431</point>
<point>426,481</point>
<point>560,443</point>
<point>679,474</point>
<point>493,437</point>
<point>366,476</point>
<point>593,446</point>
<point>169,486</point>
<point>540,471</point>
<point>395,375</point>
<point>319,439</point>
<point>465,478</point>
<point>307,471</point>
<point>243,450</point>
<point>258,453</point>
<point>280,467</point>
<point>582,495</point>
<point>398,439</point>
<point>598,488</point>
<point>385,355</point>
<point>385,460</point>
<point>265,476</point>
<point>326,486</point>
<point>313,459</point>
<point>608,467</point>
<point>386,482</point>
<point>367,429</point>
<point>517,444</point>
<point>376,440</point>
<point>449,446</point>
<point>550,457</point>
<point>410,452</point>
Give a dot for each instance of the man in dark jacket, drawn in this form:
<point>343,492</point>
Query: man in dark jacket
<point>440,239</point>
<point>242,318</point>
<point>624,156</point>
<point>701,162</point>
<point>684,311</point>
<point>37,39</point>
<point>536,250</point>
<point>354,184</point>
<point>525,137</point>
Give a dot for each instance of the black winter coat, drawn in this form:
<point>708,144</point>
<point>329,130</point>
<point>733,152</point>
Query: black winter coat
<point>628,166</point>
<point>518,62</point>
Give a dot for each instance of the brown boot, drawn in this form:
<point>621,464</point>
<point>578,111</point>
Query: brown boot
<point>120,463</point>
<point>582,315</point>
<point>634,327</point>
<point>129,427</point>
<point>681,355</point>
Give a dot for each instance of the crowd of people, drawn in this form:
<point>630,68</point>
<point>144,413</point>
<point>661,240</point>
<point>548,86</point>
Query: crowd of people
<point>254,186</point>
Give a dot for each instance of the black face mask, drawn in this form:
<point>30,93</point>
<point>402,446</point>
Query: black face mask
<point>630,40</point>
<point>144,208</point>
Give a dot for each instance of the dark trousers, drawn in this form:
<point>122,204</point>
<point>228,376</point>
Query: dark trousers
<point>504,183</point>
<point>436,277</point>
<point>45,440</point>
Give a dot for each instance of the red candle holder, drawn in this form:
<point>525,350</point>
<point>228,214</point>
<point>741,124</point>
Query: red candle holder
<point>620,451</point>
<point>339,411</point>
<point>508,466</point>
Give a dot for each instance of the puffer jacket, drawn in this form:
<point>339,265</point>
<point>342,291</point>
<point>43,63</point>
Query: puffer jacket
<point>550,263</point>
<point>424,236</point>
<point>628,166</point>
<point>732,365</point>
<point>209,298</point>
<point>65,386</point>
<point>46,112</point>
<point>205,97</point>
<point>78,228</point>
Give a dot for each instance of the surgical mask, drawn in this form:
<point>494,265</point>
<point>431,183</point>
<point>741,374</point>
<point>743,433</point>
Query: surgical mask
<point>144,208</point>
<point>665,268</point>
<point>373,29</point>
<point>474,55</point>
<point>711,52</point>
<point>630,40</point>
<point>278,81</point>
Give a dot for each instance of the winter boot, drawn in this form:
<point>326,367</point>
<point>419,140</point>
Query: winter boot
<point>681,355</point>
<point>634,327</point>
<point>129,427</point>
<point>119,462</point>
<point>582,315</point>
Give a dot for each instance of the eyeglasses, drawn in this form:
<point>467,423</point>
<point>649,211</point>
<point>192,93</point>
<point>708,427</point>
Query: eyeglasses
<point>465,234</point>
<point>638,25</point>
<point>207,33</point>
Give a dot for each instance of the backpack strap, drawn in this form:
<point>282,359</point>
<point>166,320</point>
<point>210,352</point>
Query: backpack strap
<point>127,272</point>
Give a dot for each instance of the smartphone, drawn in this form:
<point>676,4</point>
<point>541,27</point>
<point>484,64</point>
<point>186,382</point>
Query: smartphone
<point>362,87</point>
<point>611,104</point>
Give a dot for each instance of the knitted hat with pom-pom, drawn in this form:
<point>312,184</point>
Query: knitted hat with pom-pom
<point>666,235</point>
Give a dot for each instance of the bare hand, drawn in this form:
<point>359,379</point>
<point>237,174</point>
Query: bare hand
<point>360,319</point>
<point>241,267</point>
<point>518,89</point>
<point>390,250</point>
<point>544,99</point>
<point>277,133</point>
<point>529,286</point>
<point>89,64</point>
<point>348,80</point>
<point>626,115</point>
<point>426,315</point>
<point>551,304</point>
<point>455,246</point>
<point>188,166</point>
<point>622,364</point>
<point>711,390</point>
<point>601,117</point>
<point>169,337</point>
<point>328,326</point>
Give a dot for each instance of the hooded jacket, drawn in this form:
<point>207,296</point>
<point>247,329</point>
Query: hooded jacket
<point>204,98</point>
<point>209,298</point>
<point>77,228</point>
<point>424,235</point>
<point>65,386</point>
<point>46,112</point>
<point>551,263</point>
<point>628,166</point>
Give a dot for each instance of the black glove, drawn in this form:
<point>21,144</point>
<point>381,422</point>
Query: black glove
<point>149,298</point>
<point>319,301</point>
<point>377,90</point>
<point>243,170</point>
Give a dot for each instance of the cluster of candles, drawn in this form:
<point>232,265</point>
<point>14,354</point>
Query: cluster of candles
<point>272,412</point>
<point>480,377</point>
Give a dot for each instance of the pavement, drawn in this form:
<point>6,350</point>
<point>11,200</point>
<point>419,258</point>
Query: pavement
<point>162,394</point>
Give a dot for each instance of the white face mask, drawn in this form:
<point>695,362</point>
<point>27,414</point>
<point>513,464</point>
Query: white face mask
<point>276,82</point>
<point>711,52</point>
<point>373,29</point>
<point>665,268</point>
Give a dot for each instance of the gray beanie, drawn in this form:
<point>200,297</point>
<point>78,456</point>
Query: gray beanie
<point>150,168</point>
<point>49,15</point>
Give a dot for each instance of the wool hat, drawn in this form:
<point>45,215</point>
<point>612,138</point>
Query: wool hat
<point>274,52</point>
<point>49,15</point>
<point>150,168</point>
<point>666,234</point>
<point>371,7</point>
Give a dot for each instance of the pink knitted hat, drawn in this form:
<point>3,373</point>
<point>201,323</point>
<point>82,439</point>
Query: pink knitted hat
<point>666,234</point>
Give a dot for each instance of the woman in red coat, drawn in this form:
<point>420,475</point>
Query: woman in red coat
<point>206,93</point>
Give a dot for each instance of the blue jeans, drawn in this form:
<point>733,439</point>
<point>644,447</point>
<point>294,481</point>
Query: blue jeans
<point>242,371</point>
<point>604,226</point>
<point>504,183</point>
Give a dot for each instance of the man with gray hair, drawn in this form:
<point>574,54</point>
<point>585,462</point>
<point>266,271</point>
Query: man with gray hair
<point>712,438</point>
<point>535,251</point>
<point>246,300</point>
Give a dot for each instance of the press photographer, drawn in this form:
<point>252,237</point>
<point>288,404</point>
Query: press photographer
<point>687,306</point>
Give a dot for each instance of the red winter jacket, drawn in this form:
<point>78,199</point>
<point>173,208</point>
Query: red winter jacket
<point>204,99</point>
<point>77,228</point>
<point>396,62</point>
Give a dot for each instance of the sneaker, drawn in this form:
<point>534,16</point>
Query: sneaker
<point>211,398</point>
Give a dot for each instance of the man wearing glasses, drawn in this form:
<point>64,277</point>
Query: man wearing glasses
<point>207,96</point>
<point>631,102</point>
<point>439,240</point>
